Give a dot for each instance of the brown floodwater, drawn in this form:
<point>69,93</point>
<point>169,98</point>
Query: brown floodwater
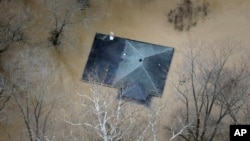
<point>133,19</point>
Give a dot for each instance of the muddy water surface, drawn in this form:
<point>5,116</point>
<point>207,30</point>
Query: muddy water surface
<point>145,22</point>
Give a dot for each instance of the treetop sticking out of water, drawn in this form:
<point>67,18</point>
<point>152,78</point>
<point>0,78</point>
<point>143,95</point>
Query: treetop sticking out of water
<point>187,14</point>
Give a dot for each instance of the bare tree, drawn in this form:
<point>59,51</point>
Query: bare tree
<point>213,89</point>
<point>12,24</point>
<point>246,114</point>
<point>3,97</point>
<point>109,118</point>
<point>28,73</point>
<point>62,11</point>
<point>35,114</point>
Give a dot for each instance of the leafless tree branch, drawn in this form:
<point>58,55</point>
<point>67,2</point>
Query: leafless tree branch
<point>213,88</point>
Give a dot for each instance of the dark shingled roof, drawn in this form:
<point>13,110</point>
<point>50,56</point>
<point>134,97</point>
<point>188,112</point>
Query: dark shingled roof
<point>138,69</point>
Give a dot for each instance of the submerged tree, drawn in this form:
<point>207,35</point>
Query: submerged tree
<point>3,97</point>
<point>108,117</point>
<point>62,11</point>
<point>28,74</point>
<point>12,24</point>
<point>187,14</point>
<point>213,89</point>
